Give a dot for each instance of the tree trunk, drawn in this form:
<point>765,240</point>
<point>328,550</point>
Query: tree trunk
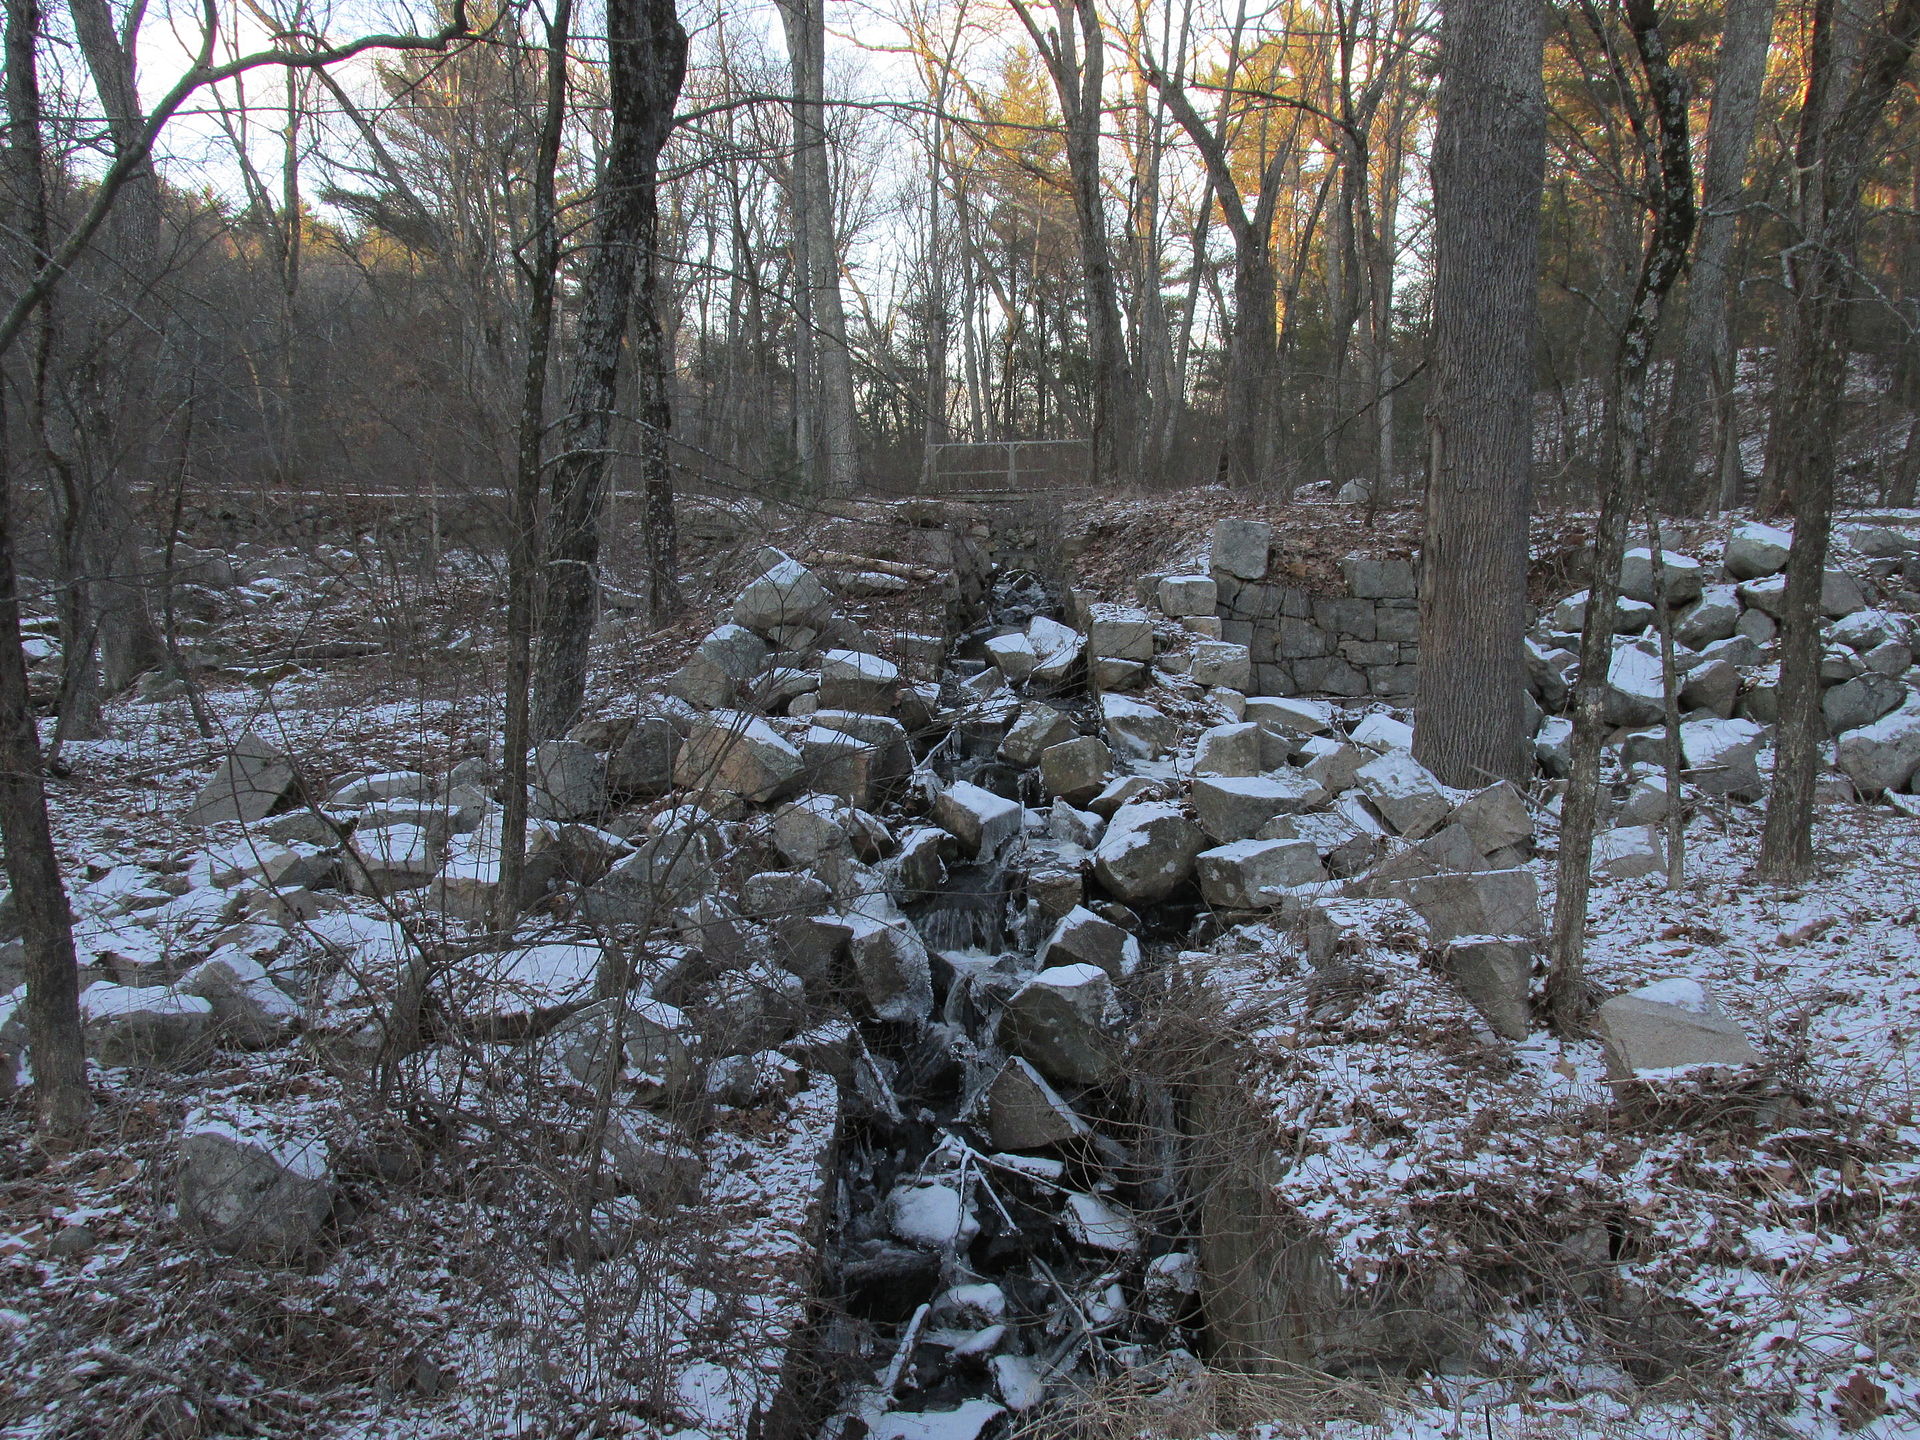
<point>646,60</point>
<point>1834,155</point>
<point>523,544</point>
<point>1489,153</point>
<point>33,869</point>
<point>1670,198</point>
<point>1703,373</point>
<point>817,262</point>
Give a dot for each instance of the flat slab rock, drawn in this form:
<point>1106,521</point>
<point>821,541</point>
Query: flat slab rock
<point>1668,1028</point>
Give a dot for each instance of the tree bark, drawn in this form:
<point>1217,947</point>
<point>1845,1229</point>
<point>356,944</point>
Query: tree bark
<point>646,61</point>
<point>833,434</point>
<point>33,869</point>
<point>1834,154</point>
<point>1703,373</point>
<point>1489,154</point>
<point>1670,198</point>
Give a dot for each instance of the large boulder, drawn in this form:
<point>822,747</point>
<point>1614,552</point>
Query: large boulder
<point>1065,1020</point>
<point>1240,548</point>
<point>1120,632</point>
<point>1669,1026</point>
<point>1405,793</point>
<point>1136,729</point>
<point>1713,617</point>
<point>1885,754</point>
<point>1755,550</point>
<point>248,1008</point>
<point>721,669</point>
<point>1147,851</point>
<point>1083,938</point>
<point>1232,750</point>
<point>1024,1112</point>
<point>979,819</point>
<point>737,753</point>
<point>1182,595</point>
<point>1495,817</point>
<point>152,1026</point>
<point>1221,663</point>
<point>890,962</point>
<point>1038,727</point>
<point>642,1048</point>
<point>1494,972</point>
<point>1235,807</point>
<point>642,765</point>
<point>1243,875</point>
<point>569,782</point>
<point>1486,902</point>
<point>855,680</point>
<point>1682,575</point>
<point>1626,852</point>
<point>254,779</point>
<point>1636,687</point>
<point>1075,770</point>
<point>1861,701</point>
<point>389,858</point>
<point>786,594</point>
<point>248,1186</point>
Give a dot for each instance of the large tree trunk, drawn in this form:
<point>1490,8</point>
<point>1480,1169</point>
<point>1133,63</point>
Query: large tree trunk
<point>1834,154</point>
<point>832,434</point>
<point>1489,153</point>
<point>1703,373</point>
<point>33,869</point>
<point>646,60</point>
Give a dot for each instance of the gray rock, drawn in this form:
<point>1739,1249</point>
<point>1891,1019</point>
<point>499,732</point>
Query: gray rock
<point>1147,852</point>
<point>1739,651</point>
<point>1877,542</point>
<point>644,763</point>
<point>1122,790</point>
<point>1024,1112</point>
<point>1229,750</point>
<point>840,764</point>
<point>1331,763</point>
<point>1013,655</point>
<point>1627,852</point>
<point>253,779</point>
<point>1889,657</point>
<point>1883,756</point>
<point>1840,595</point>
<point>1074,826</point>
<point>1550,672</point>
<point>1646,801</point>
<point>568,781</point>
<point>1295,639</point>
<point>721,669</point>
<point>736,753</point>
<point>1289,716</point>
<point>885,734</point>
<point>1075,770</point>
<point>248,1189</point>
<point>1083,938</point>
<point>151,1026</point>
<point>855,680</point>
<point>388,858</point>
<point>1713,617</point>
<point>771,894</point>
<point>1636,687</point>
<point>1234,808</point>
<point>1405,793</point>
<point>1630,616</point>
<point>248,1008</point>
<point>1861,701</point>
<point>1667,1026</point>
<point>1331,676</point>
<point>786,594</point>
<point>979,819</point>
<point>1494,973</point>
<point>389,785</point>
<point>1240,547</point>
<point>1757,626</point>
<point>1345,845</point>
<point>1553,745</point>
<point>669,869</point>
<point>1371,579</point>
<point>640,1047</point>
<point>1722,756</point>
<point>1713,686</point>
<point>1136,729</point>
<point>1495,818</point>
<point>890,963</point>
<point>1188,595</point>
<point>1117,632</point>
<point>1064,1020</point>
<point>1221,663</point>
<point>1860,631</point>
<point>1755,550</point>
<point>1682,573</point>
<point>1244,874</point>
<point>1057,649</point>
<point>1486,902</point>
<point>1038,727</point>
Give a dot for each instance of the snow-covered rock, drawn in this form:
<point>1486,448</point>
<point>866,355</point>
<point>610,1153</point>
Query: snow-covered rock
<point>254,1185</point>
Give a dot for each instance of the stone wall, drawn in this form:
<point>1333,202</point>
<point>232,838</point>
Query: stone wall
<point>1353,642</point>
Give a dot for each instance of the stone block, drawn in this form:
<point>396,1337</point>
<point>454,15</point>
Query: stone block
<point>1378,579</point>
<point>1240,547</point>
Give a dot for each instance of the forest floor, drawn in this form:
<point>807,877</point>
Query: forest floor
<point>431,1318</point>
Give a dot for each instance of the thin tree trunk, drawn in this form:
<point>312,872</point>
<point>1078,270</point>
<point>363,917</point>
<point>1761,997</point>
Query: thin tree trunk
<point>1834,155</point>
<point>1703,372</point>
<point>33,869</point>
<point>541,269</point>
<point>646,60</point>
<point>1670,198</point>
<point>1489,153</point>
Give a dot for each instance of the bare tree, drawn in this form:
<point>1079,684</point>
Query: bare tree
<point>1489,153</point>
<point>646,61</point>
<point>1838,121</point>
